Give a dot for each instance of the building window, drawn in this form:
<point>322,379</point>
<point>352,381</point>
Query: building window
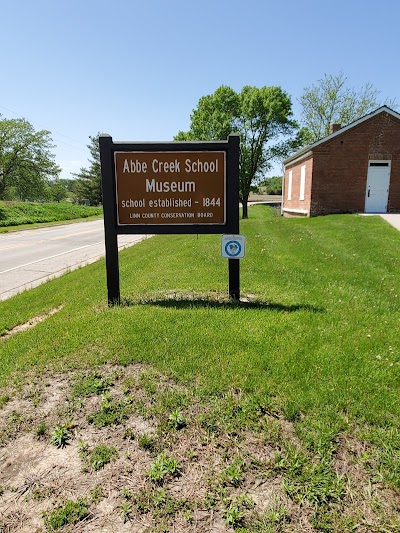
<point>302,182</point>
<point>289,189</point>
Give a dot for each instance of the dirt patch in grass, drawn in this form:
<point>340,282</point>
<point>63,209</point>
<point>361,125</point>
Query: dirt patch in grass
<point>136,451</point>
<point>376,506</point>
<point>31,323</point>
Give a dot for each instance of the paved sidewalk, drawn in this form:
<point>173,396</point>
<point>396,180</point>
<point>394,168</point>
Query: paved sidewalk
<point>393,219</point>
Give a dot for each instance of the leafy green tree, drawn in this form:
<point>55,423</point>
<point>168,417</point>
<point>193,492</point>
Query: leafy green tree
<point>272,185</point>
<point>26,160</point>
<point>261,116</point>
<point>332,101</point>
<point>88,180</point>
<point>57,190</point>
<point>68,183</point>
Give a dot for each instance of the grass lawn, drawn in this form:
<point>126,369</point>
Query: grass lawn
<point>314,352</point>
<point>22,215</point>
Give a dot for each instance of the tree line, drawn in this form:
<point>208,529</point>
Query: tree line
<point>262,116</point>
<point>28,170</point>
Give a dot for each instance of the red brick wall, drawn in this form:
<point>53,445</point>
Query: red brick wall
<point>340,166</point>
<point>295,203</point>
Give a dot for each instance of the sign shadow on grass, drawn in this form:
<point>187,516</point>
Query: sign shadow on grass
<point>197,302</point>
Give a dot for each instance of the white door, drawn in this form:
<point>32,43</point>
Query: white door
<point>378,178</point>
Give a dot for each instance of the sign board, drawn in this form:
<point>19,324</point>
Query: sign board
<point>233,246</point>
<point>184,187</point>
<point>169,188</point>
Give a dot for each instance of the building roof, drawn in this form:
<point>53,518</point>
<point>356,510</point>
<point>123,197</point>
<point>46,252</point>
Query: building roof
<point>308,149</point>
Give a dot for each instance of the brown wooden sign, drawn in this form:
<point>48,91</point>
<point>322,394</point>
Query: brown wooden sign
<point>156,188</point>
<point>169,188</point>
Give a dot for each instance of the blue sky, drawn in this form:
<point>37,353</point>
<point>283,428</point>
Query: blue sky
<point>136,69</point>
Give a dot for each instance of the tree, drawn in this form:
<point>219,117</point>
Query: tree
<point>56,190</point>
<point>26,160</point>
<point>332,101</point>
<point>262,116</point>
<point>88,183</point>
<point>272,185</point>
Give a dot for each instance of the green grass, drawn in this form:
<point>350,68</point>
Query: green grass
<point>155,500</point>
<point>322,332</point>
<point>233,474</point>
<point>69,513</point>
<point>306,480</point>
<point>40,430</point>
<point>317,343</point>
<point>4,400</point>
<point>112,412</point>
<point>100,456</point>
<point>163,467</point>
<point>61,435</point>
<point>92,384</point>
<point>16,215</point>
<point>147,442</point>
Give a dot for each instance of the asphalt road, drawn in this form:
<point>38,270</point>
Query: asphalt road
<point>31,257</point>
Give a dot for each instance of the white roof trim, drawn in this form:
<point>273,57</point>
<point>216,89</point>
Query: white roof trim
<point>383,109</point>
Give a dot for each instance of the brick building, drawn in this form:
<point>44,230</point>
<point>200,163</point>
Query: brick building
<point>355,169</point>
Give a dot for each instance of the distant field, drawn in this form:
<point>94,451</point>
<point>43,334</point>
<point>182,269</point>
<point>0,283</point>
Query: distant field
<point>182,411</point>
<point>24,213</point>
